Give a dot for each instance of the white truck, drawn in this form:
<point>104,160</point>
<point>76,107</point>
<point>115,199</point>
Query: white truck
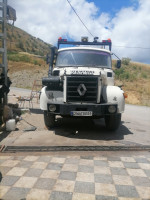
<point>81,83</point>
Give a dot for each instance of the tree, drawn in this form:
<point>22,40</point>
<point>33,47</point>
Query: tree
<point>126,61</point>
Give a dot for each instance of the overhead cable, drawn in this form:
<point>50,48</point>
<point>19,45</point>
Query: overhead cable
<point>132,47</point>
<point>80,18</point>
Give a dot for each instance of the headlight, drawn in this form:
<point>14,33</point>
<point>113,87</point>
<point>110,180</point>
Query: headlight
<point>112,109</point>
<point>52,108</point>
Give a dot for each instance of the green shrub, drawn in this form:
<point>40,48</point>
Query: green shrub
<point>44,58</point>
<point>25,58</point>
<point>27,43</point>
<point>123,74</point>
<point>126,61</point>
<point>11,52</point>
<point>18,58</point>
<point>41,53</point>
<point>34,45</point>
<point>144,75</point>
<point>19,35</point>
<point>118,72</point>
<point>33,50</point>
<point>134,67</point>
<point>8,35</point>
<point>20,45</point>
<point>35,62</point>
<point>14,57</point>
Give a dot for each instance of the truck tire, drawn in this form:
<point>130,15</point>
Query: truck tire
<point>49,120</point>
<point>112,122</point>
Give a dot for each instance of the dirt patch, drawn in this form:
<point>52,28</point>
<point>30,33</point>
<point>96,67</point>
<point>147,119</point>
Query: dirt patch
<point>132,98</point>
<point>23,75</point>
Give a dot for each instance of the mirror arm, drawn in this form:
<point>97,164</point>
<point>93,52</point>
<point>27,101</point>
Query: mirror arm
<point>50,70</point>
<point>115,55</point>
<point>50,59</point>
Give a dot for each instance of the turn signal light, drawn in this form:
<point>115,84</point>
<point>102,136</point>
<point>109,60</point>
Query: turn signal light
<point>125,95</point>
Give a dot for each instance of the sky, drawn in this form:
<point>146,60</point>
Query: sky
<point>126,22</point>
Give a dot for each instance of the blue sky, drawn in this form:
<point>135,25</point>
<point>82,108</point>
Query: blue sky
<point>126,22</point>
<point>113,6</point>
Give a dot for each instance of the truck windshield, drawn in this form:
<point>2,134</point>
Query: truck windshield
<point>82,57</point>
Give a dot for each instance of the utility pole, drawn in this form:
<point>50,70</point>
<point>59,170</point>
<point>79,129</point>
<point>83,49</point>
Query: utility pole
<point>6,13</point>
<point>3,46</point>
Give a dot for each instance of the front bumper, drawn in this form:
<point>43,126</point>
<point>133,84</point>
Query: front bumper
<point>98,110</point>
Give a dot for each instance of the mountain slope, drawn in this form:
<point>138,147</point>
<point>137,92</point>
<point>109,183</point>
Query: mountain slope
<point>19,40</point>
<point>135,78</point>
<point>25,66</point>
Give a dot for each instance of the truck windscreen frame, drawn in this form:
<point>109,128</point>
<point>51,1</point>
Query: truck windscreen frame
<point>83,58</point>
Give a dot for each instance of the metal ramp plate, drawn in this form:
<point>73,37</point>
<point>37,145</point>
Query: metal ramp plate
<point>13,149</point>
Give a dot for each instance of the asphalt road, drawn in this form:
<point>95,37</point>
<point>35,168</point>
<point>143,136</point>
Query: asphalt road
<point>134,129</point>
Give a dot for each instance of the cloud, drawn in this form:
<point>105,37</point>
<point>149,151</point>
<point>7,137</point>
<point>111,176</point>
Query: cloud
<point>49,20</point>
<point>131,28</point>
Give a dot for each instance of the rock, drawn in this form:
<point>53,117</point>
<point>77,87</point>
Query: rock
<point>7,113</point>
<point>3,127</point>
<point>31,128</point>
<point>13,105</point>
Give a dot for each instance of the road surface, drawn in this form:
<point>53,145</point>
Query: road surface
<point>134,129</point>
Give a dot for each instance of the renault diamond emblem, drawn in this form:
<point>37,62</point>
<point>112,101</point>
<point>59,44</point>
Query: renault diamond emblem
<point>81,89</point>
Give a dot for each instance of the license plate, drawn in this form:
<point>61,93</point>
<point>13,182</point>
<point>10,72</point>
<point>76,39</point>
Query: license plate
<point>81,113</point>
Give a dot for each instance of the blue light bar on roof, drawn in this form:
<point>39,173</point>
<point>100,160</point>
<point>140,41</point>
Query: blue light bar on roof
<point>103,43</point>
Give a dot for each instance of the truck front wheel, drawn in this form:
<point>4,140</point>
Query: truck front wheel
<point>112,122</point>
<point>49,120</point>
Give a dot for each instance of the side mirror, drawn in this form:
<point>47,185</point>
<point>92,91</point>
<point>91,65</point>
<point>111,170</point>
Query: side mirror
<point>118,64</point>
<point>51,54</point>
<point>48,58</point>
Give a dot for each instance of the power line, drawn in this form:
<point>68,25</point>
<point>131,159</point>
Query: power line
<point>80,18</point>
<point>132,47</point>
<point>93,35</point>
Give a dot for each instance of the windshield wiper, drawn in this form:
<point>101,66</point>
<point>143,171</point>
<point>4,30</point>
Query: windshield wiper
<point>71,66</point>
<point>98,66</point>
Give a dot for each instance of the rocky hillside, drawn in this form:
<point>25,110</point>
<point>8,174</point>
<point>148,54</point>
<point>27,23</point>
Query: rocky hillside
<point>25,66</point>
<point>20,41</point>
<point>135,78</point>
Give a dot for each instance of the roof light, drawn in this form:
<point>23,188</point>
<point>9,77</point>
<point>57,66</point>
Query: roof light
<point>95,39</point>
<point>62,40</point>
<point>84,39</point>
<point>108,40</point>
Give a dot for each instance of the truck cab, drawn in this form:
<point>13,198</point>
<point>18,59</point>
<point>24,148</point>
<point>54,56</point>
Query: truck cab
<point>80,83</point>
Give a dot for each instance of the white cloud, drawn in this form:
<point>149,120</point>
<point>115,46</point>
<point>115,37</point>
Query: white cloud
<point>51,19</point>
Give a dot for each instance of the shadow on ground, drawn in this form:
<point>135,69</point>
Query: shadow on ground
<point>4,134</point>
<point>36,111</point>
<point>89,129</point>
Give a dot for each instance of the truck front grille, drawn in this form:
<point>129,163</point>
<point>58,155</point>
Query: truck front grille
<point>82,89</point>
